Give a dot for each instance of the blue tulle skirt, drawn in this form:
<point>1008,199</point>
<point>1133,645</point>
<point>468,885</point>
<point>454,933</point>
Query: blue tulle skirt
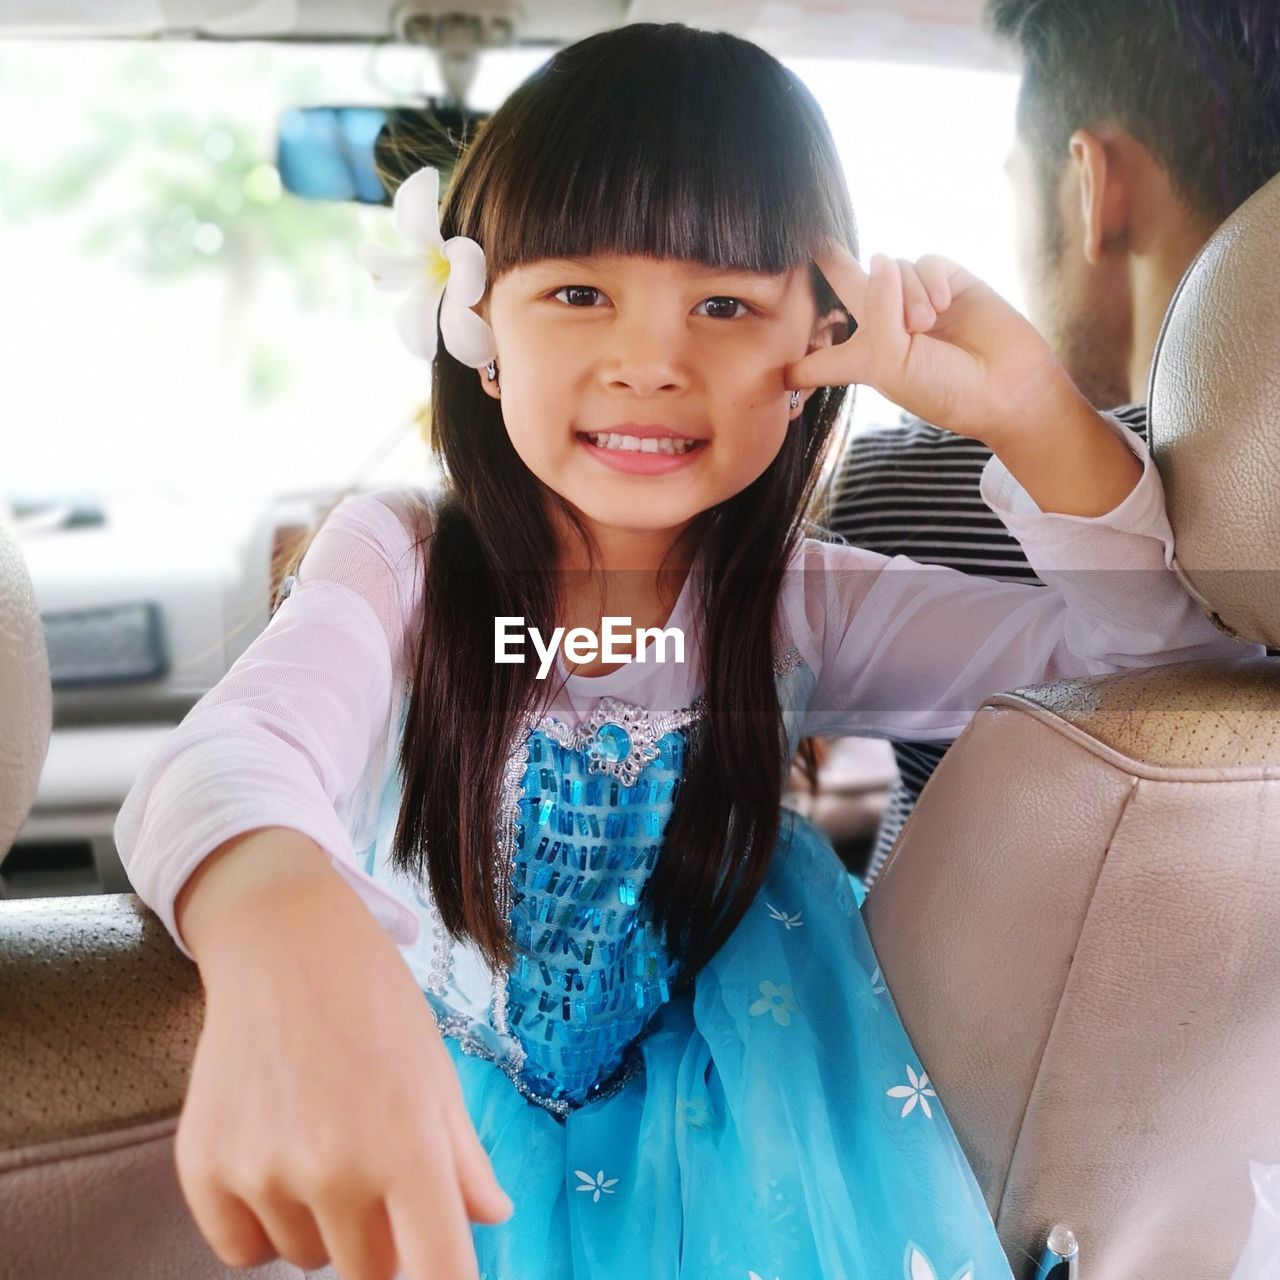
<point>782,1125</point>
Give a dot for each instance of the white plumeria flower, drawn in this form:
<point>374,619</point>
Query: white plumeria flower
<point>444,277</point>
<point>791,922</point>
<point>596,1185</point>
<point>920,1268</point>
<point>751,1275</point>
<point>918,1090</point>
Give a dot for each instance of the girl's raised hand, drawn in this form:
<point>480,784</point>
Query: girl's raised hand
<point>324,1121</point>
<point>937,341</point>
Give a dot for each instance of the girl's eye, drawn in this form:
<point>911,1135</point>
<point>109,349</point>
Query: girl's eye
<point>723,308</point>
<point>580,295</point>
<point>585,296</point>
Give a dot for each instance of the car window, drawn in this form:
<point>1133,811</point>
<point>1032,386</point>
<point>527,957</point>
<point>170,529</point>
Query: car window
<point>183,325</point>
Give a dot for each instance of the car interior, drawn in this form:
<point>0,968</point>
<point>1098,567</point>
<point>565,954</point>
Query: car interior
<point>1080,922</point>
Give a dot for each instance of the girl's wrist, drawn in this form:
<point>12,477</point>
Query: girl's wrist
<point>1068,458</point>
<point>268,862</point>
<point>1045,399</point>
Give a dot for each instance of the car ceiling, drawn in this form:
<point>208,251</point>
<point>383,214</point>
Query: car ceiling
<point>939,32</point>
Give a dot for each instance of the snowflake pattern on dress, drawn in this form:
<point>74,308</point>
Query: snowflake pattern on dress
<point>918,1267</point>
<point>597,1186</point>
<point>791,922</point>
<point>919,1090</point>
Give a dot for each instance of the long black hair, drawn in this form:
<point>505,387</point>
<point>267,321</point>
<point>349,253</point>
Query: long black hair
<point>653,139</point>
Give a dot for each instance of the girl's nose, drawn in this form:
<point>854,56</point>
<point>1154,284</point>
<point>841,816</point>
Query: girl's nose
<point>646,357</point>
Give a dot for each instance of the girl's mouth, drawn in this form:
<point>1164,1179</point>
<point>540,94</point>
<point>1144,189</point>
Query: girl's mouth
<point>640,444</point>
<point>641,455</point>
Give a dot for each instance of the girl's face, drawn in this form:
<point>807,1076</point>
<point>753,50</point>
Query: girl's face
<point>646,390</point>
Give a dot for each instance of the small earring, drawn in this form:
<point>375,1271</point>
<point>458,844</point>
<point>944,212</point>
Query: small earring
<point>491,371</point>
<point>795,399</point>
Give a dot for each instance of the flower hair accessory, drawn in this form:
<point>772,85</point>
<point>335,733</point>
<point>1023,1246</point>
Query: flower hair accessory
<point>445,278</point>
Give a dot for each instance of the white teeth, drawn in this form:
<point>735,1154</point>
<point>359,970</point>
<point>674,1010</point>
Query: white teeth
<point>640,444</point>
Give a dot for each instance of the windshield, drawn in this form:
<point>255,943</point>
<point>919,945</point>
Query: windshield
<point>174,322</point>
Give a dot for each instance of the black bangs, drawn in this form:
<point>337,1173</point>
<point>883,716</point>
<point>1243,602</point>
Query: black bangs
<point>654,139</point>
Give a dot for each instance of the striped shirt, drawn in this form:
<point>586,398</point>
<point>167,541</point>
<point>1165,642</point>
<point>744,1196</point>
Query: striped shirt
<point>912,490</point>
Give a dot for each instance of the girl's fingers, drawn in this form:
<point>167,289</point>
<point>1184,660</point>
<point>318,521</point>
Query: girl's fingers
<point>878,301</point>
<point>935,274</point>
<point>844,274</point>
<point>918,310</point>
<point>886,334</point>
<point>293,1232</point>
<point>432,1233</point>
<point>360,1244</point>
<point>838,366</point>
<point>482,1194</point>
<point>880,334</point>
<point>229,1226</point>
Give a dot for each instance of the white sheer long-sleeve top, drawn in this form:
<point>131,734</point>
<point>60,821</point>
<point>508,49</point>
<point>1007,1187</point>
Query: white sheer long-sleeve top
<point>291,733</point>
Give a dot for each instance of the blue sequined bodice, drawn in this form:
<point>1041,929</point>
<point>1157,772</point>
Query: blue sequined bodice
<point>582,819</point>
<point>590,971</point>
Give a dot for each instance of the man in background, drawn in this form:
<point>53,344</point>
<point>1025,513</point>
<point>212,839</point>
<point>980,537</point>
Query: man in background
<point>1141,125</point>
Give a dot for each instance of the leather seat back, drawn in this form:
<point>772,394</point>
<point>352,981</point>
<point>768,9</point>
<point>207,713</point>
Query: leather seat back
<point>1080,922</point>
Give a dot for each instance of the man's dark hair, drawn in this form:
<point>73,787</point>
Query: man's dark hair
<point>1197,82</point>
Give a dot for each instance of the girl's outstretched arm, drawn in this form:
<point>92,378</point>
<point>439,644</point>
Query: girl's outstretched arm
<point>323,1120</point>
<point>946,347</point>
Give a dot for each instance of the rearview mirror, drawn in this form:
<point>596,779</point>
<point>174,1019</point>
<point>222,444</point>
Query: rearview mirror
<point>363,153</point>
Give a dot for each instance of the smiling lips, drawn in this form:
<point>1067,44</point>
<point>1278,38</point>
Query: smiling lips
<point>642,448</point>
<point>641,444</point>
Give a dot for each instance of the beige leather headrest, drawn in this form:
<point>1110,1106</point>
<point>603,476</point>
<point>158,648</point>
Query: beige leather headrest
<point>1215,420</point>
<point>26,705</point>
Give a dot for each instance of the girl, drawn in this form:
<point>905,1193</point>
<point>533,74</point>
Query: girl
<point>655,1017</point>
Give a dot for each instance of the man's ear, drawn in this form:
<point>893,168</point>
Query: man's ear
<point>1103,193</point>
<point>829,330</point>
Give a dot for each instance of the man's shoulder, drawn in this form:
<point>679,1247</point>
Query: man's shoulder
<point>1134,416</point>
<point>909,435</point>
<point>915,435</point>
<point>913,489</point>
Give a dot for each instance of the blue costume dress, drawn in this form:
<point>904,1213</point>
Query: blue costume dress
<point>773,1122</point>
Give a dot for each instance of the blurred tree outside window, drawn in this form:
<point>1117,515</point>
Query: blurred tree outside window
<point>174,322</point>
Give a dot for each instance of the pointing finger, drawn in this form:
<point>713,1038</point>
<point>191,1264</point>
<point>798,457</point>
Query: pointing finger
<point>432,1235</point>
<point>919,309</point>
<point>482,1195</point>
<point>886,335</point>
<point>844,274</point>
